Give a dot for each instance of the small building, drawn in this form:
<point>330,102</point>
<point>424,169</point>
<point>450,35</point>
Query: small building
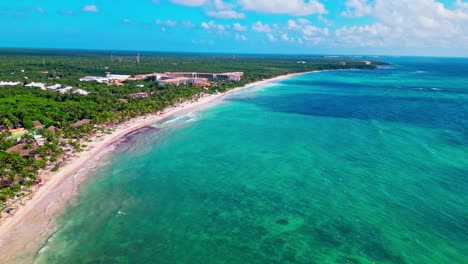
<point>52,130</point>
<point>20,148</point>
<point>54,87</point>
<point>65,90</point>
<point>80,91</point>
<point>37,125</point>
<point>35,85</point>
<point>2,83</point>
<point>367,62</point>
<point>94,79</point>
<point>117,77</point>
<point>342,63</point>
<point>301,62</point>
<point>81,123</point>
<point>139,95</point>
<point>124,100</point>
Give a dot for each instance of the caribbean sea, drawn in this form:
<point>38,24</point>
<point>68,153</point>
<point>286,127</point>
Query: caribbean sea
<point>330,167</point>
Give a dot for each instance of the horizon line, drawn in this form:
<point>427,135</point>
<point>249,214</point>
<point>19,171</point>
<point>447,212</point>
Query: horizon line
<point>228,53</point>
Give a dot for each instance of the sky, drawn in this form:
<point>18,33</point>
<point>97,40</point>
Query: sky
<point>365,27</point>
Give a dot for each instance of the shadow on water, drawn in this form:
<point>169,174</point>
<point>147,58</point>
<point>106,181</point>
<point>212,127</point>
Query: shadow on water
<point>438,113</point>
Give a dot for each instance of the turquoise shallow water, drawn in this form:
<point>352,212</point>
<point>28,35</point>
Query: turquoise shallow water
<point>330,167</point>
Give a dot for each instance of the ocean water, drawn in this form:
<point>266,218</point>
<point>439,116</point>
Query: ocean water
<point>329,167</point>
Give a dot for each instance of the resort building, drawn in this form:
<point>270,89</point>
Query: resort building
<point>54,87</point>
<point>229,76</point>
<point>36,85</point>
<point>80,91</point>
<point>94,79</point>
<point>37,125</point>
<point>174,81</point>
<point>116,77</point>
<point>65,90</point>
<point>2,83</point>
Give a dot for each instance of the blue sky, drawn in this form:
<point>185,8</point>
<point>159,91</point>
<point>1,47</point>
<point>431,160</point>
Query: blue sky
<point>397,27</point>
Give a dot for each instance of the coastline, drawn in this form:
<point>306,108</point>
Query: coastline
<point>19,232</point>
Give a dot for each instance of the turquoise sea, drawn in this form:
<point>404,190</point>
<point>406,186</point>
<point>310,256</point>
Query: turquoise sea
<point>330,167</point>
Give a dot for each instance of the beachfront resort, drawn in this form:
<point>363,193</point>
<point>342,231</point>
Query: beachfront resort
<point>36,150</point>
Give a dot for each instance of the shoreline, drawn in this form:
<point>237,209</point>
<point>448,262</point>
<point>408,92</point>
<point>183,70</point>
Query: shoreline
<point>40,204</point>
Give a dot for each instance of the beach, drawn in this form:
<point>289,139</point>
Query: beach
<point>32,223</point>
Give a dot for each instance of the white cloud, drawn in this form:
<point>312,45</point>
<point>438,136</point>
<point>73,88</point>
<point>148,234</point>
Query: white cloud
<point>213,27</point>
<point>290,7</point>
<point>357,8</point>
<point>221,10</point>
<point>90,9</point>
<point>220,5</point>
<point>310,30</point>
<point>462,5</point>
<point>239,27</point>
<point>188,2</point>
<point>271,37</point>
<point>415,24</point>
<point>293,25</point>
<point>225,14</point>
<point>260,27</point>
<point>240,37</point>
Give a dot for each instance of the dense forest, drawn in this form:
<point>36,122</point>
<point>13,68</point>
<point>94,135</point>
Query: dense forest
<point>20,106</point>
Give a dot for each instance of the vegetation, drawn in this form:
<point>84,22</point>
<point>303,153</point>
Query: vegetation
<point>20,106</point>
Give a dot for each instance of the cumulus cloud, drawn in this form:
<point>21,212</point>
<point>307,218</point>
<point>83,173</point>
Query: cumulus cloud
<point>260,27</point>
<point>239,27</point>
<point>188,2</point>
<point>416,24</point>
<point>357,8</point>
<point>225,14</point>
<point>221,10</point>
<point>292,24</point>
<point>90,9</point>
<point>289,7</point>
<point>211,27</point>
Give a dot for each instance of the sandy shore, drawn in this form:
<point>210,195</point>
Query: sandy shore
<point>32,223</point>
